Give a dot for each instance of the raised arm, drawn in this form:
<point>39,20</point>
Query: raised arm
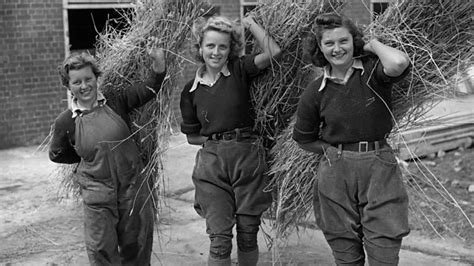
<point>393,60</point>
<point>140,93</point>
<point>269,46</point>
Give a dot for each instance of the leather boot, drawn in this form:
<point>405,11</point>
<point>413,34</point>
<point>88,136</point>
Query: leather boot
<point>247,258</point>
<point>218,262</point>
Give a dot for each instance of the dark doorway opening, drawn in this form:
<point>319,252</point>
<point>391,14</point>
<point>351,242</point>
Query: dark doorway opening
<point>84,25</point>
<point>379,8</point>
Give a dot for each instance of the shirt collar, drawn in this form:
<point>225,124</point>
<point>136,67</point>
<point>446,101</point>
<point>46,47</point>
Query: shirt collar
<point>200,74</point>
<point>77,108</point>
<point>356,64</point>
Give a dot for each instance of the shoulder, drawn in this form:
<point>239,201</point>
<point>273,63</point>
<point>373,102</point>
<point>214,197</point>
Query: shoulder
<point>245,63</point>
<point>64,118</point>
<point>311,94</point>
<point>111,93</point>
<point>187,87</point>
<point>313,86</point>
<point>369,61</point>
<point>372,68</point>
<point>64,122</point>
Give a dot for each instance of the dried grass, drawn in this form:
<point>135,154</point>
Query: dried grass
<point>124,60</point>
<point>435,34</point>
<point>275,93</point>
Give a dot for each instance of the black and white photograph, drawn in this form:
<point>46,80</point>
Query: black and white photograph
<point>236,132</point>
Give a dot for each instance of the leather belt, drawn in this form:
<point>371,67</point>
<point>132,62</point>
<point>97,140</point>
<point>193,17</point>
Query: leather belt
<point>238,133</point>
<point>363,146</point>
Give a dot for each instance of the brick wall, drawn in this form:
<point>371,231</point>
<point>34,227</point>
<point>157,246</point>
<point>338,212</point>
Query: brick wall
<point>32,45</point>
<point>358,11</point>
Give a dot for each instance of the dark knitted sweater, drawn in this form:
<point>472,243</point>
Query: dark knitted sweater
<point>357,111</point>
<point>224,106</point>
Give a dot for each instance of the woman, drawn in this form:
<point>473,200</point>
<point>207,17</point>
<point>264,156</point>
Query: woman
<point>360,200</point>
<point>218,114</point>
<point>95,132</point>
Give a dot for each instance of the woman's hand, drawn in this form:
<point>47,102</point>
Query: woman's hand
<point>368,47</point>
<point>158,57</point>
<point>248,21</point>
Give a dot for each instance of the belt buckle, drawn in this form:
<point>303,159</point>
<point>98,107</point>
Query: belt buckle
<point>227,136</point>
<point>216,136</point>
<point>362,144</point>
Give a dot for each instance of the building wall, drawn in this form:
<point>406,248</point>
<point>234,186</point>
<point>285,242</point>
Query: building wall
<point>32,45</point>
<point>358,11</point>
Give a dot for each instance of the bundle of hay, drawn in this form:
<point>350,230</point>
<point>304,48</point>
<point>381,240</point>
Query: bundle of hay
<point>275,93</point>
<point>435,34</point>
<point>124,60</point>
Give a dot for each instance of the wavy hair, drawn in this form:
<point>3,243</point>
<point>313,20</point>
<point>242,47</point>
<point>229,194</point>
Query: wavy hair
<point>329,21</point>
<point>76,61</point>
<point>220,24</point>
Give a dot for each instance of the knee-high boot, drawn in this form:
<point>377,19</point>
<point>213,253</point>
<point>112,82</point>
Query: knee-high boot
<point>247,258</point>
<point>218,262</point>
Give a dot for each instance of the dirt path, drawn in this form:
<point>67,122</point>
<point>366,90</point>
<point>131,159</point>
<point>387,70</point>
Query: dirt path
<point>37,230</point>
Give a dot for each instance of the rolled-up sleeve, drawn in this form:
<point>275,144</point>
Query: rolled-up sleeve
<point>306,128</point>
<point>381,77</point>
<point>248,65</point>
<point>190,123</point>
<point>61,149</point>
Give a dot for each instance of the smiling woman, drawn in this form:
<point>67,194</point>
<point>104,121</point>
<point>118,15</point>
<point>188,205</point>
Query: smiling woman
<point>95,132</point>
<point>345,115</point>
<point>83,86</point>
<point>218,114</point>
<point>215,50</point>
<point>337,48</point>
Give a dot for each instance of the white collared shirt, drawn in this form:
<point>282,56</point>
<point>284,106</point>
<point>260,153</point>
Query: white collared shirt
<point>199,79</point>
<point>356,64</point>
<point>77,108</point>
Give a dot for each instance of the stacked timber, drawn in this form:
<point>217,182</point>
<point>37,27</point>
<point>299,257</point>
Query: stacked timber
<point>450,132</point>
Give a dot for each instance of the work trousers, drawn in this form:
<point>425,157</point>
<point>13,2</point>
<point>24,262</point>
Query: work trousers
<point>118,211</point>
<point>229,177</point>
<point>360,201</point>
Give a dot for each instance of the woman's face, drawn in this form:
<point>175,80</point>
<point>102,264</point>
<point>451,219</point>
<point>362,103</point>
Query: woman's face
<point>337,46</point>
<point>83,85</point>
<point>215,49</point>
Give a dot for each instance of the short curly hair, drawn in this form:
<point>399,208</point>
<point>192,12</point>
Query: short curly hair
<point>77,61</point>
<point>220,24</point>
<point>328,21</point>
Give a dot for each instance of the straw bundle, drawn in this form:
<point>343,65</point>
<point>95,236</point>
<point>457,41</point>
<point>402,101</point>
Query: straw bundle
<point>275,93</point>
<point>124,60</point>
<point>435,34</point>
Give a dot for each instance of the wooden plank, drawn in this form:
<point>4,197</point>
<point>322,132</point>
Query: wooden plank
<point>423,148</point>
<point>449,132</point>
